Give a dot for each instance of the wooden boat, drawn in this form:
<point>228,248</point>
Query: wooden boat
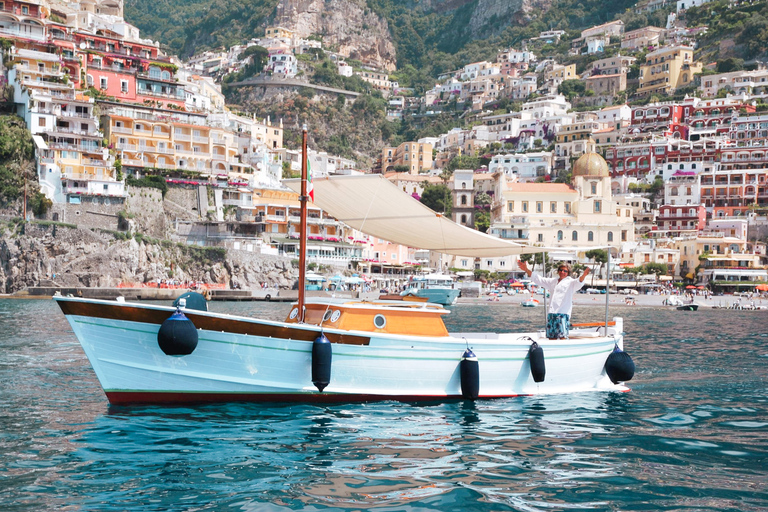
<point>334,350</point>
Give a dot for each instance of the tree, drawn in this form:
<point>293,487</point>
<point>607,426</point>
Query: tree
<point>537,259</point>
<point>598,256</point>
<point>729,64</point>
<point>438,197</point>
<point>463,162</point>
<point>482,221</point>
<point>658,269</point>
<point>571,88</point>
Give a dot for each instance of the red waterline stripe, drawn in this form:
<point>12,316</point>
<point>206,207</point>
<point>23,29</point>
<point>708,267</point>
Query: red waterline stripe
<point>165,397</point>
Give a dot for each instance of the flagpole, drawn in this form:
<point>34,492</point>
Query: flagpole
<point>303,225</point>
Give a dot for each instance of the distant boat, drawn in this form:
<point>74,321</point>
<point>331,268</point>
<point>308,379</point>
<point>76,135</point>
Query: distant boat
<point>336,350</point>
<point>530,303</point>
<point>679,304</point>
<point>436,288</point>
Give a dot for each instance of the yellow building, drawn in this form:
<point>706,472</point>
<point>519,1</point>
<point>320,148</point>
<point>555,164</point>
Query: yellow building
<point>280,32</point>
<point>668,69</point>
<point>558,73</point>
<point>414,155</point>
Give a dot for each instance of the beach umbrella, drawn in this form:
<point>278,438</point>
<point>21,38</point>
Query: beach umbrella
<point>762,287</point>
<point>690,287</point>
<point>517,285</point>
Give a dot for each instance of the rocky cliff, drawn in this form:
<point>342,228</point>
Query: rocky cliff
<point>346,26</point>
<point>57,255</point>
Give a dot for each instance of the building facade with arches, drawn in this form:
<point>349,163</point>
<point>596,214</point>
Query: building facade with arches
<point>582,213</point>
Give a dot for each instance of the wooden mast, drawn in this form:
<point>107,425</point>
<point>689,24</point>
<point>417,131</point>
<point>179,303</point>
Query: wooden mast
<point>303,198</point>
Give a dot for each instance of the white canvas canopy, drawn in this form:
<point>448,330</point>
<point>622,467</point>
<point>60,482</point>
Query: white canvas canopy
<point>374,205</point>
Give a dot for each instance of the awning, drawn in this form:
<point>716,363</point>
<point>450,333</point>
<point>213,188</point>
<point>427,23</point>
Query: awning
<point>64,44</point>
<point>374,205</point>
<point>39,142</point>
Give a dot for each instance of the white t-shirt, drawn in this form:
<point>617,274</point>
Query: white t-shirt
<point>561,293</point>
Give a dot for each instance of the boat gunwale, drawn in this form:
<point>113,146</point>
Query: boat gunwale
<point>355,337</point>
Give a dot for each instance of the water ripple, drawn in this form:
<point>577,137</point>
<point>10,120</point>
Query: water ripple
<point>690,436</point>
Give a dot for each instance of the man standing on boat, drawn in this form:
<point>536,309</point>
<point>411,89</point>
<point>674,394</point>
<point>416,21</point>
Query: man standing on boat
<point>561,290</point>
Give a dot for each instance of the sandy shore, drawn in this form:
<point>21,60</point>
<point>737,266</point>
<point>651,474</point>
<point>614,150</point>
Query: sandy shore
<point>583,299</point>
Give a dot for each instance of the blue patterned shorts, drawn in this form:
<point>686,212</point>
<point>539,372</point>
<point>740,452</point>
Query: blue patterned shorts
<point>557,325</point>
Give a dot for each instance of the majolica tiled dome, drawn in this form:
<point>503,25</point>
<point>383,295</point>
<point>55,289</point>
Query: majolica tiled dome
<point>591,164</point>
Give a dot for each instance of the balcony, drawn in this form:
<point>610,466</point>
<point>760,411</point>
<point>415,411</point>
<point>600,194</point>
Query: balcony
<point>73,147</point>
<point>79,115</point>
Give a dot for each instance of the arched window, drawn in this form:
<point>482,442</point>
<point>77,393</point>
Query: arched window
<point>610,236</point>
<point>559,235</point>
<point>463,199</point>
<point>463,219</point>
<point>574,236</point>
<point>590,237</point>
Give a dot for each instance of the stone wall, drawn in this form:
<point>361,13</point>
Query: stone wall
<point>98,212</point>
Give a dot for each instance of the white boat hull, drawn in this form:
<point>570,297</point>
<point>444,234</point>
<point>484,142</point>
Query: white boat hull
<point>258,360</point>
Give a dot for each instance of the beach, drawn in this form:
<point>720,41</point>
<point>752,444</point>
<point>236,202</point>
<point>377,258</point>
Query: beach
<point>621,300</point>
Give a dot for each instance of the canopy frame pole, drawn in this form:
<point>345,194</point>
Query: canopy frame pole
<point>607,287</point>
<point>544,274</point>
<point>303,199</point>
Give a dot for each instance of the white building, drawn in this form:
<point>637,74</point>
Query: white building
<point>547,106</point>
<point>523,166</point>
<point>281,63</point>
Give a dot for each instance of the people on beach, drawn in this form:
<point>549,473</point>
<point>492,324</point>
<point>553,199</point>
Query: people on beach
<point>561,289</point>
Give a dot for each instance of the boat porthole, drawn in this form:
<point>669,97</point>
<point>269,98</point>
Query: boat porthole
<point>379,321</point>
<point>335,316</point>
<point>294,313</point>
<point>326,315</point>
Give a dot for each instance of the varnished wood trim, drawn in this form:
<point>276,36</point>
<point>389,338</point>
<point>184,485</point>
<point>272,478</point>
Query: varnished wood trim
<point>128,313</point>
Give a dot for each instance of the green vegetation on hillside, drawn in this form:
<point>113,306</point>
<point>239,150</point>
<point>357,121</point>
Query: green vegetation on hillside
<point>16,154</point>
<point>746,24</point>
<point>185,27</point>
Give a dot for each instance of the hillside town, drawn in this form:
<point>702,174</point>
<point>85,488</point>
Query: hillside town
<point>656,153</point>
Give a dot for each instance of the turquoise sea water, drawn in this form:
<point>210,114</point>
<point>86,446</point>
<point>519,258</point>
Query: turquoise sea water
<point>692,435</point>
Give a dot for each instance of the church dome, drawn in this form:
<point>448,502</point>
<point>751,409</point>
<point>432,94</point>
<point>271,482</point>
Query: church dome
<point>591,164</point>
